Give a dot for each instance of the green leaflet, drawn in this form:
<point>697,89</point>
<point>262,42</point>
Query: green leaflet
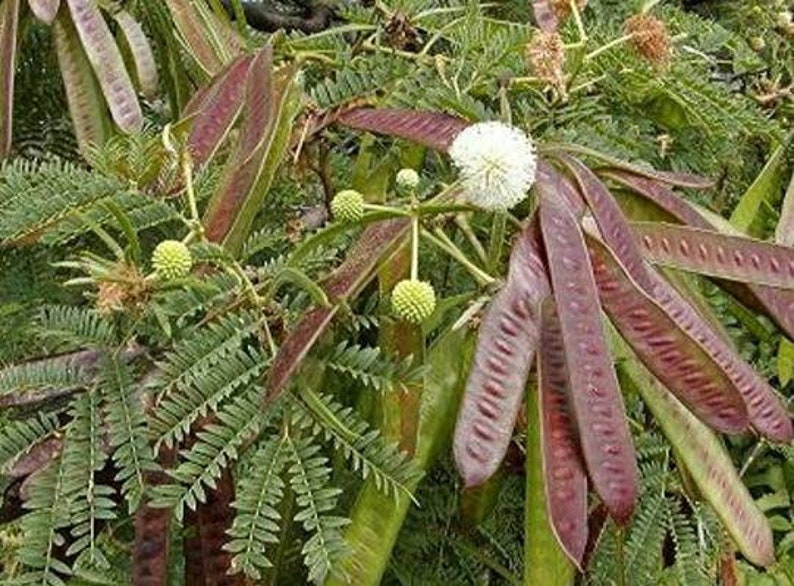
<point>376,519</point>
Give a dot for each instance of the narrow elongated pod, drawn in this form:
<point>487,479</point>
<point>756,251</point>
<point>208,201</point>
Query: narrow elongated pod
<point>708,464</point>
<point>611,222</point>
<point>595,395</point>
<point>778,304</point>
<point>717,255</point>
<point>220,107</point>
<point>271,104</point>
<point>376,518</point>
<point>141,50</point>
<point>767,414</point>
<point>505,349</point>
<point>668,177</point>
<point>564,477</point>
<point>9,23</point>
<point>194,36</point>
<point>87,107</point>
<point>678,360</point>
<point>432,129</point>
<point>375,245</point>
<point>44,10</point>
<point>105,58</point>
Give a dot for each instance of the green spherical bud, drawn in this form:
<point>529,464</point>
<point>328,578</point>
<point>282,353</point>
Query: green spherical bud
<point>407,179</point>
<point>413,301</point>
<point>348,206</point>
<point>171,260</point>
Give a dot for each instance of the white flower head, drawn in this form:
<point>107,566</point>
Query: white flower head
<point>497,164</point>
<point>407,178</point>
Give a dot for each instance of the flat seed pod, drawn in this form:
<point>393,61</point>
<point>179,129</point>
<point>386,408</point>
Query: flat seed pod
<point>194,36</point>
<point>678,360</point>
<point>612,223</point>
<point>709,466</point>
<point>565,479</point>
<point>432,129</point>
<point>376,243</point>
<point>218,111</point>
<point>667,177</point>
<point>778,304</point>
<point>717,255</point>
<point>9,21</point>
<point>83,95</point>
<point>105,59</point>
<point>767,414</point>
<point>505,349</point>
<point>44,10</point>
<point>141,50</point>
<point>558,182</point>
<point>595,395</point>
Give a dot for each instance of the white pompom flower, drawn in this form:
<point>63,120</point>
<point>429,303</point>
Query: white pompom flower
<point>497,164</point>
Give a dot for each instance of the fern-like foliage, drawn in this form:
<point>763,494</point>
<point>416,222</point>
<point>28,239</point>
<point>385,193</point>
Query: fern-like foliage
<point>309,475</point>
<point>216,447</point>
<point>43,527</point>
<point>59,373</point>
<point>205,348</point>
<point>17,437</point>
<point>368,365</point>
<point>690,559</point>
<point>644,543</point>
<point>181,409</point>
<point>35,196</point>
<point>127,429</point>
<point>256,523</point>
<point>365,448</point>
<point>75,326</point>
<point>91,501</point>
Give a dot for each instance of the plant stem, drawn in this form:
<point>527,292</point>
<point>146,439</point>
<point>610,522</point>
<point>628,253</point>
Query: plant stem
<point>414,248</point>
<point>190,192</point>
<point>610,45</point>
<point>462,222</point>
<point>370,207</point>
<point>443,242</point>
<point>577,17</point>
<point>239,16</point>
<point>498,230</point>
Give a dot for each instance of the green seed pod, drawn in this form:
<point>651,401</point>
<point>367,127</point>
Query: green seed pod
<point>171,260</point>
<point>348,206</point>
<point>413,301</point>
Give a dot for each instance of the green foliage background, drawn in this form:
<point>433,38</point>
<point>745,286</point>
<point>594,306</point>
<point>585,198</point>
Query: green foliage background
<point>719,109</point>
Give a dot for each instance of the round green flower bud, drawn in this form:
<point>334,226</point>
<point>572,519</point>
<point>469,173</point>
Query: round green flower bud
<point>171,260</point>
<point>413,301</point>
<point>348,206</point>
<point>407,178</point>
